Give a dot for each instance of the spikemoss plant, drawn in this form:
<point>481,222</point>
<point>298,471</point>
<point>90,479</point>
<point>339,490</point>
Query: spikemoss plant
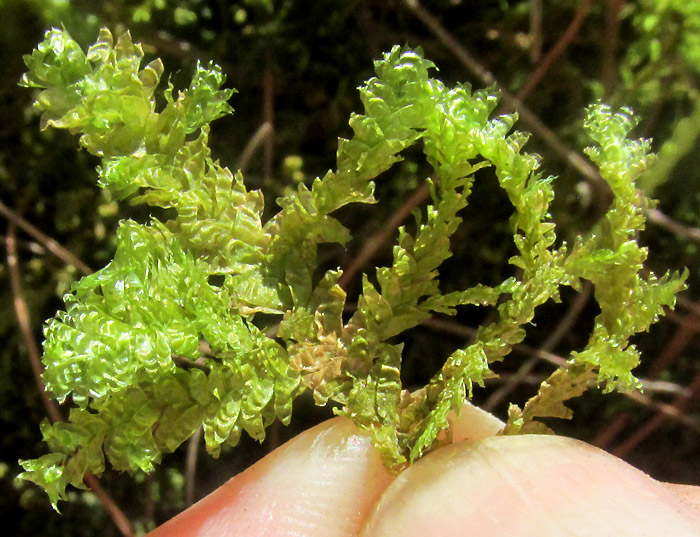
<point>152,346</point>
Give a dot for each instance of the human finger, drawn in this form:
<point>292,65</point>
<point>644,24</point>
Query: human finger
<point>324,482</point>
<point>529,485</point>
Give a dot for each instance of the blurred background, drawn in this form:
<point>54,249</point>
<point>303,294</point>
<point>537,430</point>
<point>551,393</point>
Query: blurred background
<point>296,66</point>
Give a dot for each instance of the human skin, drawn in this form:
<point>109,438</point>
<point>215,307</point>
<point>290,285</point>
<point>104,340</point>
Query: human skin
<point>329,481</point>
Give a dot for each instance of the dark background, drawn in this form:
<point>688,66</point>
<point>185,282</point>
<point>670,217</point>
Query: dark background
<point>298,64</point>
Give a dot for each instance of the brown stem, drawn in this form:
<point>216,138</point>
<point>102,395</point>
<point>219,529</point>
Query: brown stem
<point>452,327</point>
<point>48,243</point>
<point>269,119</point>
<point>191,465</point>
<point>273,436</point>
<point>669,411</point>
<point>375,242</point>
<point>688,325</point>
<point>610,432</point>
<point>687,328</point>
<point>263,133</point>
<point>660,219</point>
<point>556,51</point>
<point>650,426</point>
<point>564,326</point>
<point>23,319</point>
<point>22,313</point>
<point>612,31</point>
<point>535,30</point>
<point>109,505</point>
<point>149,508</point>
<point>689,305</point>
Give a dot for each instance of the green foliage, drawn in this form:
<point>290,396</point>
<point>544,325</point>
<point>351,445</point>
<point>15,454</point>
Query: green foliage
<point>666,29</point>
<point>662,65</point>
<point>217,318</point>
<point>611,259</point>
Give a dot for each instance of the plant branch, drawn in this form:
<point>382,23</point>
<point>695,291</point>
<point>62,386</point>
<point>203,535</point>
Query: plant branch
<point>612,31</point>
<point>660,219</point>
<point>556,51</point>
<point>261,134</point>
<point>689,305</point>
<point>651,425</point>
<point>687,326</point>
<point>50,244</point>
<point>113,510</point>
<point>375,242</point>
<point>649,385</point>
<point>269,119</point>
<point>562,328</point>
<point>535,30</point>
<point>191,465</point>
<point>22,312</point>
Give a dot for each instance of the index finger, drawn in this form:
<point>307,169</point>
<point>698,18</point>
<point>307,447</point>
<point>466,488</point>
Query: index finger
<point>322,483</point>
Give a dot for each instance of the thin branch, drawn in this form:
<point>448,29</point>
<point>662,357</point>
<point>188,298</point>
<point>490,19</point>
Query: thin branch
<point>263,132</point>
<point>149,508</point>
<point>109,505</point>
<point>608,434</point>
<point>50,244</point>
<point>556,51</point>
<point>648,385</point>
<point>191,465</point>
<point>268,118</point>
<point>375,242</point>
<point>535,30</point>
<point>689,305</point>
<point>467,332</point>
<point>650,426</point>
<point>660,219</point>
<point>22,312</point>
<point>691,320</point>
<point>668,411</point>
<point>660,387</point>
<point>564,326</point>
<point>273,436</point>
<point>686,329</point>
<point>612,31</point>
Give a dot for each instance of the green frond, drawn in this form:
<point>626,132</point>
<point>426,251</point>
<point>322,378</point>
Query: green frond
<point>167,337</point>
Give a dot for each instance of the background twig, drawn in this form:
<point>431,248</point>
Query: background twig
<point>555,52</point>
<point>22,312</point>
<point>50,244</point>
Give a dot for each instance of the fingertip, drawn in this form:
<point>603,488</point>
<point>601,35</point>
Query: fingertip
<point>323,482</point>
<point>472,423</point>
<point>688,493</point>
<point>527,486</point>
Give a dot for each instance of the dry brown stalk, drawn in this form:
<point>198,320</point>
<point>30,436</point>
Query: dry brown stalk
<point>47,242</point>
<point>375,242</point>
<point>22,312</point>
<point>556,51</point>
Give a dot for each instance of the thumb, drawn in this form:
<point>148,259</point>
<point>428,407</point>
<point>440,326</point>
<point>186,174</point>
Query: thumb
<point>322,483</point>
<point>528,486</point>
